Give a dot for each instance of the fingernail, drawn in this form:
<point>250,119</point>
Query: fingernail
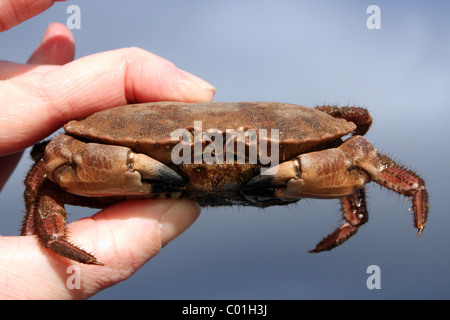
<point>200,82</point>
<point>177,219</point>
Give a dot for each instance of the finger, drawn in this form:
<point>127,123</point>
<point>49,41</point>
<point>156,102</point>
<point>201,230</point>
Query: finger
<point>38,104</point>
<point>57,46</point>
<point>10,69</point>
<point>118,77</point>
<point>14,12</point>
<point>123,237</point>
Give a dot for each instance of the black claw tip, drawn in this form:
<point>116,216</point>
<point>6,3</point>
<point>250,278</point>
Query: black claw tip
<point>169,176</point>
<point>260,182</point>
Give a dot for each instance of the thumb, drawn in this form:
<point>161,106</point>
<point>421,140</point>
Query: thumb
<point>123,237</point>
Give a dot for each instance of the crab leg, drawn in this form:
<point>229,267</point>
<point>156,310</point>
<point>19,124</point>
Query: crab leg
<point>359,116</point>
<point>46,217</point>
<point>401,180</point>
<point>354,212</point>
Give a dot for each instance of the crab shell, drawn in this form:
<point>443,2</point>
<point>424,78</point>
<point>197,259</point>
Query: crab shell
<point>147,128</point>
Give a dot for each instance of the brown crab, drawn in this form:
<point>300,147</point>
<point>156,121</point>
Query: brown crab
<point>128,152</point>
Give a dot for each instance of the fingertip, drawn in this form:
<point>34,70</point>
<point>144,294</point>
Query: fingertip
<point>14,12</point>
<point>186,87</point>
<point>177,219</point>
<point>206,90</point>
<point>56,47</point>
<point>150,77</point>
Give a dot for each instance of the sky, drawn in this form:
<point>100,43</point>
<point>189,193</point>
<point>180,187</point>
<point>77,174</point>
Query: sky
<point>302,52</point>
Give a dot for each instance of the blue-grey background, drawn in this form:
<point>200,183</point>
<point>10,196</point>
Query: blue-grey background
<point>305,52</point>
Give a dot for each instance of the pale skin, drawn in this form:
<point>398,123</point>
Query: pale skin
<point>36,99</point>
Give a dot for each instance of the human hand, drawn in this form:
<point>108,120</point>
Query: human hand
<point>39,97</point>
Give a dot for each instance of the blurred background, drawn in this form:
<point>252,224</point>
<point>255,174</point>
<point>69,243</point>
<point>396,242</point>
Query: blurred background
<point>303,52</point>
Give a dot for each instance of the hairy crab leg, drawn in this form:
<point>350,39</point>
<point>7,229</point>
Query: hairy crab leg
<point>46,217</point>
<point>32,184</point>
<point>355,214</point>
<point>401,180</point>
<point>359,116</point>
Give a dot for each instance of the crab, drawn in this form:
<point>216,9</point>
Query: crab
<point>158,150</point>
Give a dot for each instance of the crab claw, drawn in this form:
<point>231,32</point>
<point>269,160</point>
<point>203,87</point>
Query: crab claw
<point>151,169</point>
<point>92,169</point>
<point>329,173</point>
<point>268,185</point>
